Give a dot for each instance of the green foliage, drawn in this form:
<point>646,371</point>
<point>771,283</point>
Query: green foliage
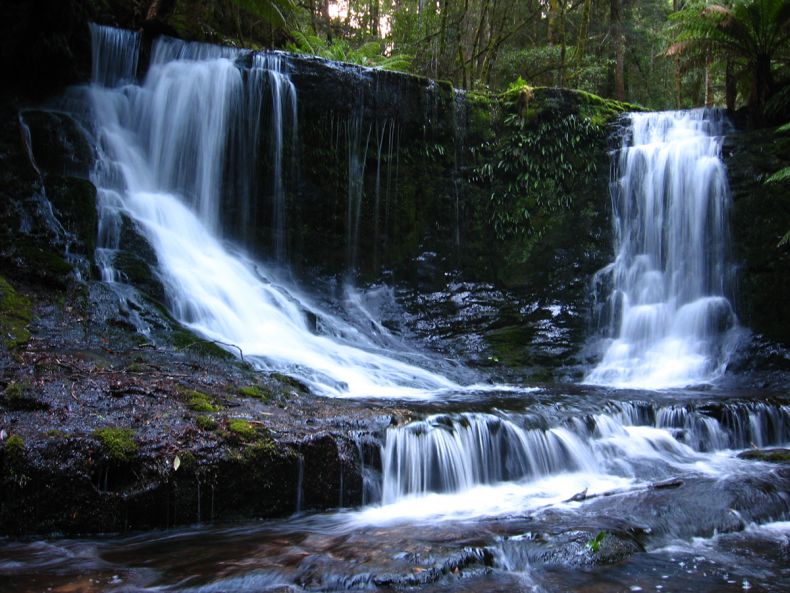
<point>16,311</point>
<point>119,443</point>
<point>595,543</point>
<point>273,12</point>
<point>369,54</point>
<point>753,35</point>
<point>535,164</point>
<point>781,176</point>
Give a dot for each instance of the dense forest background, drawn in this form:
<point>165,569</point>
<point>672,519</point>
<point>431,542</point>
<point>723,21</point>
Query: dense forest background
<point>657,53</point>
<point>660,54</point>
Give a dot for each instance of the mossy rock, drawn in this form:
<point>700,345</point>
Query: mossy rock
<point>292,382</point>
<point>206,423</point>
<point>185,340</point>
<point>119,444</point>
<point>14,447</point>
<point>769,455</point>
<point>199,401</point>
<point>137,272</point>
<point>19,396</point>
<point>255,392</point>
<point>242,429</point>
<point>16,312</point>
<point>74,200</point>
<point>59,145</point>
<point>41,262</point>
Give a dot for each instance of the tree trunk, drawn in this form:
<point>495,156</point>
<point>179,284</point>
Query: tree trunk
<point>552,30</point>
<point>709,80</point>
<point>730,88</point>
<point>562,43</point>
<point>581,41</point>
<point>761,89</point>
<point>678,82</point>
<point>618,40</point>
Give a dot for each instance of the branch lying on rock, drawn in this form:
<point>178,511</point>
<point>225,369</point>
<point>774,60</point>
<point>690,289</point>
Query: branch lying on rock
<point>663,485</point>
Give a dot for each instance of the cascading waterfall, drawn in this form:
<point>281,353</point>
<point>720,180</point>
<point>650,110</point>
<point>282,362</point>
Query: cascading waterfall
<point>283,105</point>
<point>457,453</point>
<point>162,163</point>
<point>666,306</point>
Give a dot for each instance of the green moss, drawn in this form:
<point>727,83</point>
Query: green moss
<point>290,382</point>
<point>14,445</point>
<point>242,429</point>
<point>255,392</point>
<point>43,263</point>
<point>56,434</point>
<point>139,273</point>
<point>263,447</point>
<point>16,311</point>
<point>185,340</point>
<point>18,396</point>
<point>119,443</point>
<point>770,455</point>
<point>188,461</point>
<point>198,401</point>
<point>206,423</point>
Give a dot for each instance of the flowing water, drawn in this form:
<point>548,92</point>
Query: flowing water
<point>666,305</point>
<point>487,488</point>
<point>162,164</point>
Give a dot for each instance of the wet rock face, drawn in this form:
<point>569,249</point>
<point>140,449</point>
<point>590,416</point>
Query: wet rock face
<point>759,220</point>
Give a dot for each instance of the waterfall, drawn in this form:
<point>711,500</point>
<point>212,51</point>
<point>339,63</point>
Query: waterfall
<point>283,105</point>
<point>445,454</point>
<point>666,306</point>
<point>117,64</point>
<point>163,146</point>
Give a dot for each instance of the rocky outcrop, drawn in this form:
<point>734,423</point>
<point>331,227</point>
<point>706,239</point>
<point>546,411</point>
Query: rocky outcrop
<point>760,216</point>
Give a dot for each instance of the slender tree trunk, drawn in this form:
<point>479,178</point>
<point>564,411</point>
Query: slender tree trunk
<point>678,82</point>
<point>618,40</point>
<point>562,43</point>
<point>709,80</point>
<point>153,10</point>
<point>581,41</point>
<point>730,88</point>
<point>761,90</point>
<point>551,34</point>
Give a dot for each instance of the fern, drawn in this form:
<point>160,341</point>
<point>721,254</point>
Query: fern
<point>780,176</point>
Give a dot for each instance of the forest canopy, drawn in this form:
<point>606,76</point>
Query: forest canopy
<point>657,53</point>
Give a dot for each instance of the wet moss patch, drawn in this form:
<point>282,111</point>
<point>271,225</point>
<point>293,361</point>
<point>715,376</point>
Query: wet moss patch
<point>255,392</point>
<point>198,401</point>
<point>769,455</point>
<point>242,429</point>
<point>14,446</point>
<point>19,396</point>
<point>206,423</point>
<point>16,311</point>
<point>118,443</point>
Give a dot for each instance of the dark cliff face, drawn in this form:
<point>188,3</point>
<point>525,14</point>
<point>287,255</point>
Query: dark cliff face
<point>760,218</point>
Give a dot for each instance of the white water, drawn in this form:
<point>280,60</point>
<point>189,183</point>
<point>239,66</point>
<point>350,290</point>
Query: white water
<point>459,466</point>
<point>666,306</point>
<point>163,146</point>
